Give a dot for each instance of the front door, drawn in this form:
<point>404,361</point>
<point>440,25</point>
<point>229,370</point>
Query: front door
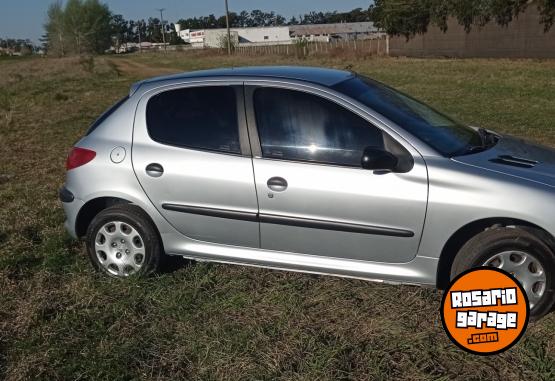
<point>314,197</point>
<point>193,161</point>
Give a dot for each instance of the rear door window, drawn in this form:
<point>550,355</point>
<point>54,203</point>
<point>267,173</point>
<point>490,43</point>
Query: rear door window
<point>203,118</point>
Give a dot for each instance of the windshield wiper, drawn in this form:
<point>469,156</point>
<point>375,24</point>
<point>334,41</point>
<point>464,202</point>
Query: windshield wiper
<point>488,140</point>
<point>476,149</point>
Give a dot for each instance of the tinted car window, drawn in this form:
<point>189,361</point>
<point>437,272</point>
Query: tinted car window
<point>202,118</point>
<point>442,133</point>
<point>294,125</point>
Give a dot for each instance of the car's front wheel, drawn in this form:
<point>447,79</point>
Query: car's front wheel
<point>520,251</point>
<point>122,242</point>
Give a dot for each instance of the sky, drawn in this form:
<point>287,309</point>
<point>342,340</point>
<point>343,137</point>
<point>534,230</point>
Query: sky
<point>25,18</point>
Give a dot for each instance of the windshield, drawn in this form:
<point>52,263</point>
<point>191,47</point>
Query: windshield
<point>440,132</point>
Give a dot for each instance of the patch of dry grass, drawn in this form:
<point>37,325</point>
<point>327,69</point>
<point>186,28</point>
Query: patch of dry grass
<point>59,320</point>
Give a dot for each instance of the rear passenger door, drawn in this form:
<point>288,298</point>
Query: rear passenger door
<point>192,158</point>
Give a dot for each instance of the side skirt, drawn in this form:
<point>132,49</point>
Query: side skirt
<point>420,271</point>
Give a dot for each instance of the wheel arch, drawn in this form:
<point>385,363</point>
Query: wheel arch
<point>91,209</point>
<point>465,233</point>
<point>97,205</point>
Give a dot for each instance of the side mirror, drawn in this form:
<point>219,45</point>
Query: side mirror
<point>375,158</point>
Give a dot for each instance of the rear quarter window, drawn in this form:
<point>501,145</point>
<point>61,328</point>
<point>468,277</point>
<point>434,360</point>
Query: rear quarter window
<point>203,118</point>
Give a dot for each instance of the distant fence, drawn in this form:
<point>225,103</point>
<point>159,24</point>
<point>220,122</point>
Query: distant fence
<point>376,46</point>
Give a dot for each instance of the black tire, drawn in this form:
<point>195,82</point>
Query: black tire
<point>496,240</point>
<point>138,220</point>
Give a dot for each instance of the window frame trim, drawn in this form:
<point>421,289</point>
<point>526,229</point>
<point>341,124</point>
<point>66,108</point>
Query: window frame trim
<point>252,126</point>
<point>236,86</point>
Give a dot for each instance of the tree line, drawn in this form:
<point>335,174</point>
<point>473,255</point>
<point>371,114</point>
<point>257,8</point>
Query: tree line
<point>150,30</point>
<point>258,18</point>
<point>88,26</point>
<point>407,18</point>
<point>16,45</point>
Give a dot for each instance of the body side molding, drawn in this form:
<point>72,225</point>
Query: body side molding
<point>333,225</point>
<point>290,221</point>
<point>213,212</point>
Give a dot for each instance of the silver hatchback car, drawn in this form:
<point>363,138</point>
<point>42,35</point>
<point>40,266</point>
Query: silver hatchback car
<point>313,170</point>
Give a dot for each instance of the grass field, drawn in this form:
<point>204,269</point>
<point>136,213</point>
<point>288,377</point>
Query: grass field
<point>60,321</point>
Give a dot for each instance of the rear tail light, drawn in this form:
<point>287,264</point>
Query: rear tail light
<point>78,157</point>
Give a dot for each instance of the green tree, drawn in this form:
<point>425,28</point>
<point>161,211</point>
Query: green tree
<point>547,11</point>
<point>119,30</point>
<point>55,30</point>
<point>398,17</point>
<point>96,19</point>
<point>73,24</point>
<point>407,18</point>
<point>140,31</point>
<point>82,26</point>
<point>153,30</point>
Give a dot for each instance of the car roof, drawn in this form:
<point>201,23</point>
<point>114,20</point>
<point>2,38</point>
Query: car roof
<point>317,75</point>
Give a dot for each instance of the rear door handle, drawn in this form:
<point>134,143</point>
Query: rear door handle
<point>154,170</point>
<point>277,184</point>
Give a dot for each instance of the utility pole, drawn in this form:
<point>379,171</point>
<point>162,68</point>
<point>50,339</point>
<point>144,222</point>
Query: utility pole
<point>163,30</point>
<point>228,30</point>
<point>139,30</point>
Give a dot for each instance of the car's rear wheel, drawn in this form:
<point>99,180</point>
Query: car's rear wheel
<point>520,251</point>
<point>122,242</point>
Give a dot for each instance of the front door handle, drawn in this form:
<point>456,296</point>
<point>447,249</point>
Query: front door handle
<point>277,184</point>
<point>154,170</point>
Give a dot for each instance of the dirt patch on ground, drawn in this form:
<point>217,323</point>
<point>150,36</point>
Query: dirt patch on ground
<point>136,69</point>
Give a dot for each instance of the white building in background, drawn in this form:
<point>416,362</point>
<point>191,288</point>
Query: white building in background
<point>211,37</point>
<point>339,31</point>
<point>281,35</point>
<point>275,35</point>
<point>207,38</point>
